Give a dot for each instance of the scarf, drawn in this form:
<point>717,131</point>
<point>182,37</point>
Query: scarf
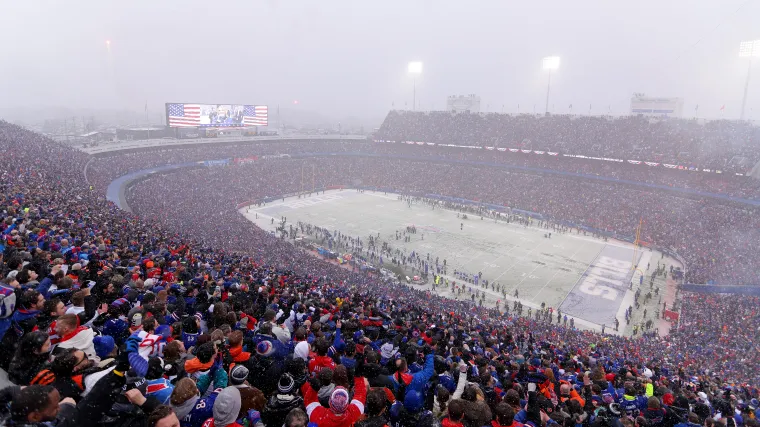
<point>194,365</point>
<point>184,408</point>
<point>238,355</point>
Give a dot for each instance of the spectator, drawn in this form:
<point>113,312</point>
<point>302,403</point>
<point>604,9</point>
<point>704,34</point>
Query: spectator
<point>31,356</point>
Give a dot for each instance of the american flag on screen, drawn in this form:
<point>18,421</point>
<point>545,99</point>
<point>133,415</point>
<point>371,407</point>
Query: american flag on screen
<point>184,115</point>
<point>255,115</point>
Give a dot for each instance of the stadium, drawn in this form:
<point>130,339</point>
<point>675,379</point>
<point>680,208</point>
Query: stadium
<point>229,265</point>
<point>311,219</point>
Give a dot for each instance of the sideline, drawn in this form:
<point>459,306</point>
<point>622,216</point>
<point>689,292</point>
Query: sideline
<point>84,171</point>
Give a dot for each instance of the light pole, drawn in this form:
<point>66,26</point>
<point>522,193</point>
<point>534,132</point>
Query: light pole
<point>549,63</point>
<point>748,49</point>
<point>415,69</point>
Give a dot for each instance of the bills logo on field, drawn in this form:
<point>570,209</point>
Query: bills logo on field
<point>634,162</point>
<point>539,152</point>
<point>514,150</point>
<point>651,163</point>
<point>552,153</point>
<point>669,166</point>
<point>525,151</point>
<point>501,149</point>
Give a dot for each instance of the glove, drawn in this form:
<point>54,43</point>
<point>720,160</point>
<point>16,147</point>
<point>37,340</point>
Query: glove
<point>217,364</point>
<point>254,417</point>
<point>315,383</point>
<point>122,362</point>
<point>133,343</point>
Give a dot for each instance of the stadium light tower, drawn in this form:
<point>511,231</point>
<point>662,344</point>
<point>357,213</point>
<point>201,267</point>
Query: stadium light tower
<point>415,69</point>
<point>748,49</point>
<point>549,63</point>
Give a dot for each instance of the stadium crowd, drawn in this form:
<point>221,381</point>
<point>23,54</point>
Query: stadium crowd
<point>104,169</point>
<point>109,318</point>
<point>724,184</point>
<point>713,144</point>
<point>717,241</point>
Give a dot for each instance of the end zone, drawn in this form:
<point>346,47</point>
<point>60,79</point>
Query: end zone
<point>598,294</point>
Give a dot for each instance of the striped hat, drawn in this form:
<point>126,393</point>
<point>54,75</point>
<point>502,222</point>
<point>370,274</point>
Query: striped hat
<point>238,375</point>
<point>286,384</point>
<point>119,302</point>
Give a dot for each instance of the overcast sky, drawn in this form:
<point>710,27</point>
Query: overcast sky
<point>349,57</point>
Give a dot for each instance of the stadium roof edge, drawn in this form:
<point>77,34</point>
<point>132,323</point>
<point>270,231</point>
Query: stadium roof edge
<point>166,143</point>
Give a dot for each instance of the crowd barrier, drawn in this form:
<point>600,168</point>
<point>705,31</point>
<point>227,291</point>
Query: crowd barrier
<point>719,289</point>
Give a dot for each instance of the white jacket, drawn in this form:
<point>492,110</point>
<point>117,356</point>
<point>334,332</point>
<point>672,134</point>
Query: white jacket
<point>82,341</point>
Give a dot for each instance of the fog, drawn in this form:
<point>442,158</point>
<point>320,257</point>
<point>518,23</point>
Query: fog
<point>349,58</point>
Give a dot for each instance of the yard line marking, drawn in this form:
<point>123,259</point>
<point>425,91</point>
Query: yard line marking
<point>557,272</point>
<point>527,276</point>
<point>505,254</point>
<point>521,259</point>
<point>581,276</point>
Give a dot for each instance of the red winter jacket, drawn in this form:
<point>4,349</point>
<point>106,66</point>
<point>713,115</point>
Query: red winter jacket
<point>372,322</point>
<point>320,362</point>
<point>325,417</point>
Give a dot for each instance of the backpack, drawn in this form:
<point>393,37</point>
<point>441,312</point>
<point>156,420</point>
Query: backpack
<point>7,307</point>
<point>7,301</point>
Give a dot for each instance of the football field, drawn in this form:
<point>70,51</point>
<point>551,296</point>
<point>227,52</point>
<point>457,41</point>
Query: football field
<point>586,278</point>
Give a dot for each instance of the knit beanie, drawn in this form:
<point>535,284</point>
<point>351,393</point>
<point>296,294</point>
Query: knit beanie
<point>339,400</point>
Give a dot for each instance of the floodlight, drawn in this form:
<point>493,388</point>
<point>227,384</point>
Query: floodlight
<point>415,67</point>
<point>550,63</point>
<point>749,48</point>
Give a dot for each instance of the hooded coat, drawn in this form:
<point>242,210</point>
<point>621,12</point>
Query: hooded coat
<point>278,407</point>
<point>226,409</point>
